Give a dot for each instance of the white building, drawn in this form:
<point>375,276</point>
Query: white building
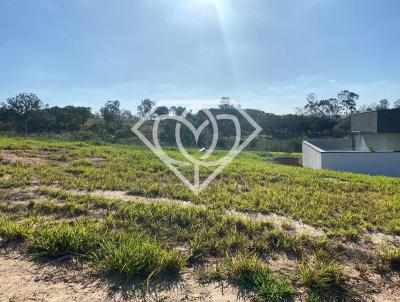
<point>373,149</point>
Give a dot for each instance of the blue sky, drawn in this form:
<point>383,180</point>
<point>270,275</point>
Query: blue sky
<point>266,54</point>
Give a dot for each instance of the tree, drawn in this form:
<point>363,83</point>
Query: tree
<point>177,110</point>
<point>311,108</point>
<point>322,108</point>
<point>126,114</point>
<point>396,104</point>
<point>69,118</point>
<point>24,104</point>
<point>84,114</point>
<point>330,108</point>
<point>225,103</point>
<point>162,110</point>
<point>144,107</point>
<point>383,104</point>
<point>111,111</point>
<point>372,107</point>
<point>344,104</point>
<point>348,101</point>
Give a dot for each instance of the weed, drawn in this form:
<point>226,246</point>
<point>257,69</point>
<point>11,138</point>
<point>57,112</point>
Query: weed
<point>389,258</point>
<point>249,271</point>
<point>13,231</point>
<point>64,239</point>
<point>136,256</point>
<point>319,275</point>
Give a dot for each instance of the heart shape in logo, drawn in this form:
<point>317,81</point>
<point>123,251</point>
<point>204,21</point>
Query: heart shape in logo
<point>220,164</point>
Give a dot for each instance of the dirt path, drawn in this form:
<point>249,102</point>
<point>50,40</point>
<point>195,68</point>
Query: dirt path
<point>297,226</point>
<point>277,220</point>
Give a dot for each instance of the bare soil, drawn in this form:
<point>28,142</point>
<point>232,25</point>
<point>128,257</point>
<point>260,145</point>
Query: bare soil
<point>24,280</point>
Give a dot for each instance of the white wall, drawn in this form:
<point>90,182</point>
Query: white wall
<point>379,142</point>
<point>372,163</point>
<point>311,156</point>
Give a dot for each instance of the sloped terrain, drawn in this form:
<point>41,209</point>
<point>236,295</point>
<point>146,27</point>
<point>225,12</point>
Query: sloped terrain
<point>112,222</point>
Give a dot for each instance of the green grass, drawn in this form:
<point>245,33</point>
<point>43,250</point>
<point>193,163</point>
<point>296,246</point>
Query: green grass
<point>142,241</point>
<point>153,240</point>
<point>389,258</point>
<point>11,231</point>
<point>131,255</point>
<point>320,275</point>
<point>248,272</point>
<point>334,201</point>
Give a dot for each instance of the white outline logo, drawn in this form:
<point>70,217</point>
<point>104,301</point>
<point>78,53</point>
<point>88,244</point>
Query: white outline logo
<point>220,164</point>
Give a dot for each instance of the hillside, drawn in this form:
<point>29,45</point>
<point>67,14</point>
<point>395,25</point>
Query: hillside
<point>115,217</point>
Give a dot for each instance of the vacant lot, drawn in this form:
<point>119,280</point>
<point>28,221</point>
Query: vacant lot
<point>99,222</point>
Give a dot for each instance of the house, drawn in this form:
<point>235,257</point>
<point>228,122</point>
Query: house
<point>374,146</point>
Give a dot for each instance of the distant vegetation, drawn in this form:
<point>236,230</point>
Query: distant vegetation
<point>28,115</point>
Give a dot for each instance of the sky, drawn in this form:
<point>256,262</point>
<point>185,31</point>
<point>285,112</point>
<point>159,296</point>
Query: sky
<point>264,54</point>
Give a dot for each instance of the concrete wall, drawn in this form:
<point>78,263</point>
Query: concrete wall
<point>378,142</point>
<point>311,156</point>
<point>372,163</point>
<point>365,122</point>
<point>382,121</point>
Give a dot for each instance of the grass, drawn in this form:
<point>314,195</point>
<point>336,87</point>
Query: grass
<point>251,183</point>
<point>248,272</point>
<point>139,240</point>
<point>319,275</point>
<point>11,231</point>
<point>153,240</point>
<point>131,255</point>
<point>389,259</point>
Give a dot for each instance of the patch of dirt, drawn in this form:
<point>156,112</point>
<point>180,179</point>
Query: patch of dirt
<point>381,239</point>
<point>287,160</point>
<point>6,177</point>
<point>98,159</point>
<point>283,266</point>
<point>372,286</point>
<point>277,220</point>
<point>18,194</point>
<point>9,156</point>
<point>334,180</point>
<point>124,196</point>
<point>15,156</point>
<point>188,289</point>
<point>280,221</point>
<point>24,280</point>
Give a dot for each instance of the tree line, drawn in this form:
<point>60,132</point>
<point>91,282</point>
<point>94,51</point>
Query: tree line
<point>344,104</point>
<point>26,113</point>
